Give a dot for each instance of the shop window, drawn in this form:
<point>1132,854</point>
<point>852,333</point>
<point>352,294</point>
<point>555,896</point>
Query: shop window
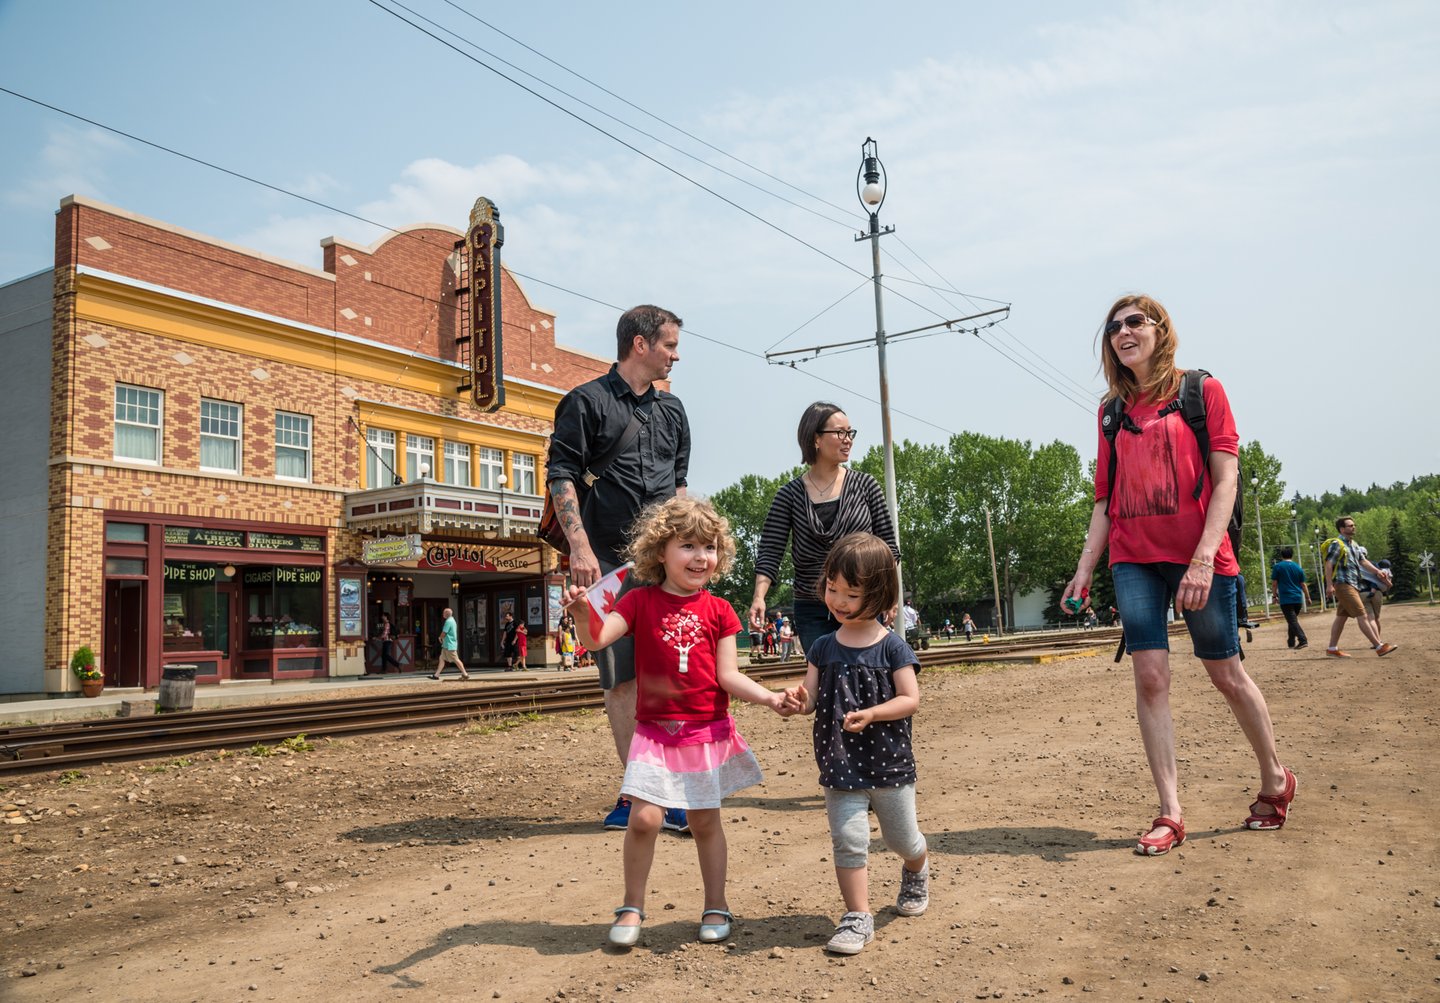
<point>457,463</point>
<point>124,566</point>
<point>522,474</point>
<point>492,465</point>
<point>124,532</point>
<point>379,458</point>
<point>419,457</point>
<point>219,436</point>
<point>292,446</point>
<point>196,617</point>
<point>284,607</point>
<point>137,423</point>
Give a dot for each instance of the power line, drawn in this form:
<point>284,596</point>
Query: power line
<point>615,118</point>
<point>649,114</point>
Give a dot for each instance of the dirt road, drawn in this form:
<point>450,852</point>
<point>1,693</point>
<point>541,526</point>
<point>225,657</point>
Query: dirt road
<point>469,863</point>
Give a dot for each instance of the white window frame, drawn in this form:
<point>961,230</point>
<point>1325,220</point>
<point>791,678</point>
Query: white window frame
<point>135,409</point>
<point>379,457</point>
<point>237,436</point>
<point>416,454</point>
<point>290,425</point>
<point>522,473</point>
<point>457,463</point>
<point>491,466</point>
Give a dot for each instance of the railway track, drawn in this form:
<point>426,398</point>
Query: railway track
<point>73,744</point>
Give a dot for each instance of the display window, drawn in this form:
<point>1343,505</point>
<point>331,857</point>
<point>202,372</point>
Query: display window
<point>283,607</point>
<point>196,617</point>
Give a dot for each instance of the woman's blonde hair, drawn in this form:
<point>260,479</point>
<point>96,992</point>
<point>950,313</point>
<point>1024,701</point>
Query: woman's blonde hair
<point>1164,378</point>
<point>683,518</point>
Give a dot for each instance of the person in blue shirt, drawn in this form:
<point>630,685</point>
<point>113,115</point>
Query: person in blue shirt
<point>1287,586</point>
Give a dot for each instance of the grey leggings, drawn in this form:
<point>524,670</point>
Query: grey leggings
<point>850,824</point>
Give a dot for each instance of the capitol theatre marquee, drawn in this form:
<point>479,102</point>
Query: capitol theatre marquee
<point>483,241</point>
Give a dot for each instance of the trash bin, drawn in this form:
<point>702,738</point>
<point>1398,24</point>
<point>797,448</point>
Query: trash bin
<point>177,688</point>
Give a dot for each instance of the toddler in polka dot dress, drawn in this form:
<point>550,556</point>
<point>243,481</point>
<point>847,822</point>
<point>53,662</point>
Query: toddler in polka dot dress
<point>860,685</point>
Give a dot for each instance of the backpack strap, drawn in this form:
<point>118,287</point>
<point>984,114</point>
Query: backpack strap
<point>1111,418</point>
<point>1191,402</point>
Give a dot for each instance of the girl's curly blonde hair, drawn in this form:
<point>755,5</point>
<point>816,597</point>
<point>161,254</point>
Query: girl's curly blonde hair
<point>685,518</point>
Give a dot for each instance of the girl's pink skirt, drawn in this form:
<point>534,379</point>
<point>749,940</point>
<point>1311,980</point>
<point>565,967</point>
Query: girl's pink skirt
<point>695,766</point>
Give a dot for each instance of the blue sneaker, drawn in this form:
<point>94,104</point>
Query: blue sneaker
<point>676,821</point>
<point>619,817</point>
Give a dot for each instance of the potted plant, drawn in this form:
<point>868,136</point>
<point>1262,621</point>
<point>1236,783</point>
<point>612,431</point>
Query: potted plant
<point>82,663</point>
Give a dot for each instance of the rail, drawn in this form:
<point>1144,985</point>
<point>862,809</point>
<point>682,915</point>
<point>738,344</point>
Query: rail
<point>82,743</point>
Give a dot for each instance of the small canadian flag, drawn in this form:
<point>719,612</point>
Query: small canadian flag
<point>603,595</point>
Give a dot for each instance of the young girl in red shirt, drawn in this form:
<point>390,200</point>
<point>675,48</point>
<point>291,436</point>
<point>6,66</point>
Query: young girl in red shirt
<point>686,752</point>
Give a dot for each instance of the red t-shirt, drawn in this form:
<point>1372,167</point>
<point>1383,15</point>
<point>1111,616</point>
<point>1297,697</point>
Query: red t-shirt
<point>675,642</point>
<point>1154,515</point>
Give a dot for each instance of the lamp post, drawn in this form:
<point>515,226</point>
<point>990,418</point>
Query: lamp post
<point>870,187</point>
<point>1319,571</point>
<point>501,480</point>
<point>1260,532</point>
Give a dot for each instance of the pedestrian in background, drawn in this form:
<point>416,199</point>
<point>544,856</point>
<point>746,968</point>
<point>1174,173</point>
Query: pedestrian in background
<point>1287,587</point>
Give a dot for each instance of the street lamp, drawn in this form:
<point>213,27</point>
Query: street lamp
<point>502,480</point>
<point>1260,531</point>
<point>870,184</point>
<point>1319,571</point>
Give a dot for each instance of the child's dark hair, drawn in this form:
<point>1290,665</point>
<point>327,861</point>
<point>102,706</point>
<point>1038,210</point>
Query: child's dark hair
<point>866,563</point>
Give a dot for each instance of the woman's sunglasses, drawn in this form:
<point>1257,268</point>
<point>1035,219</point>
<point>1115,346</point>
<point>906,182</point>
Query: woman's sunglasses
<point>1134,322</point>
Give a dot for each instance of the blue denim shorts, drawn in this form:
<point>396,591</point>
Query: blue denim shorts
<point>1144,594</point>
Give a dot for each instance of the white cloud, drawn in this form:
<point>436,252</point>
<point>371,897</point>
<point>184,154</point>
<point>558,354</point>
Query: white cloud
<point>72,162</point>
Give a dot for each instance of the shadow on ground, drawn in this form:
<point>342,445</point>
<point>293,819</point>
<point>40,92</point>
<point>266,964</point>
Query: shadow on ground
<point>457,831</point>
<point>663,937</point>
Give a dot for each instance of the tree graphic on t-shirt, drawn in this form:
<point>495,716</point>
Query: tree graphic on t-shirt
<point>681,630</point>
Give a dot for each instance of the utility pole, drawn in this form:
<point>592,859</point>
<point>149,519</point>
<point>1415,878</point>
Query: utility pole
<point>994,574</point>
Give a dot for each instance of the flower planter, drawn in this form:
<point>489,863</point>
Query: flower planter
<point>92,687</point>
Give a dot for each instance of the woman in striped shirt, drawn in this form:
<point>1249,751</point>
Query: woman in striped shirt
<point>814,510</point>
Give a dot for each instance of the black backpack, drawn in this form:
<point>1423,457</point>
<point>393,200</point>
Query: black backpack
<point>1190,402</point>
<point>1191,405</point>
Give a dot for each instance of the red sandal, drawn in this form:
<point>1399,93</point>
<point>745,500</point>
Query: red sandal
<point>1280,802</point>
<point>1153,847</point>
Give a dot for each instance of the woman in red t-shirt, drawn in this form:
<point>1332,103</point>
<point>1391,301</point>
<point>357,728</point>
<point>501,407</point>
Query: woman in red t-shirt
<point>1168,547</point>
<point>686,752</point>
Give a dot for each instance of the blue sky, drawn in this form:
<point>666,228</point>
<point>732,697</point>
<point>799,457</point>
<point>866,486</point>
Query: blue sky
<point>1267,170</point>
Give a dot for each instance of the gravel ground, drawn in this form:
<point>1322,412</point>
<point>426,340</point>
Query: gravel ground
<point>469,863</point>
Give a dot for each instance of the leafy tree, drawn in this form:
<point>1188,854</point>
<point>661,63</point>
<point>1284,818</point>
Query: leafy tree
<point>1038,501</point>
<point>746,503</point>
<point>1403,564</point>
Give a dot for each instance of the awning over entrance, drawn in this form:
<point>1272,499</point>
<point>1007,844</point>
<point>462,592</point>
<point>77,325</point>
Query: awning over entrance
<point>428,506</point>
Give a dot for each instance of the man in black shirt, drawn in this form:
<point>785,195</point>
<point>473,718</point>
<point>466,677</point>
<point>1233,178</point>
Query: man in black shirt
<point>589,422</point>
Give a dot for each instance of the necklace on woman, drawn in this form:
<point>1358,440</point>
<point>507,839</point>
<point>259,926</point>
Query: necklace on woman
<point>823,492</point>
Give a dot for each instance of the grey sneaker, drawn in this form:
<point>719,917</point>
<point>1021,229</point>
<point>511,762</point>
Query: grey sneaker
<point>914,897</point>
<point>856,929</point>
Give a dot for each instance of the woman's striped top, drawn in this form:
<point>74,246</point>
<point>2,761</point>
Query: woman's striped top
<point>792,517</point>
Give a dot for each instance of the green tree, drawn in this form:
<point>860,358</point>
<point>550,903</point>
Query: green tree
<point>1403,564</point>
<point>1039,504</point>
<point>746,503</point>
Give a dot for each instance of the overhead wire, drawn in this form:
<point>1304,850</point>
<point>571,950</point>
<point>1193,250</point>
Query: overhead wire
<point>617,119</point>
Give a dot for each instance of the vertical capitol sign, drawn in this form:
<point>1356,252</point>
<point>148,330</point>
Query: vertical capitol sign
<point>483,241</point>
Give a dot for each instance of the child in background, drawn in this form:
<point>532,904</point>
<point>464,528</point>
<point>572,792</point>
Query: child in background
<point>522,644</point>
<point>686,752</point>
<point>860,684</point>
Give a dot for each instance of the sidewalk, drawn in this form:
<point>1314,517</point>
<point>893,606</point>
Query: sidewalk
<point>235,693</point>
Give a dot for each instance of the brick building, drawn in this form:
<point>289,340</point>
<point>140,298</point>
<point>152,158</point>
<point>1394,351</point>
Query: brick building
<point>248,460</point>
